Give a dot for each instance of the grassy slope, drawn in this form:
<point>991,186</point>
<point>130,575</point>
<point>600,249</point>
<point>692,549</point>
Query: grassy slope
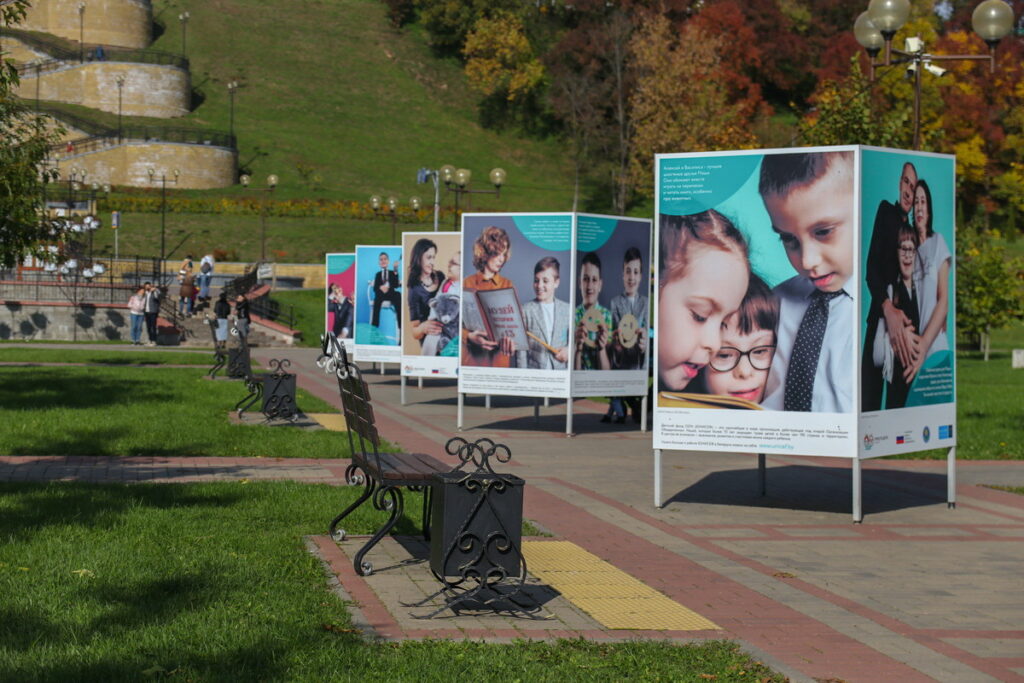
<point>328,84</point>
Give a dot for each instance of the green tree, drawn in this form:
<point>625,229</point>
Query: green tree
<point>989,287</point>
<point>845,113</point>
<point>24,145</point>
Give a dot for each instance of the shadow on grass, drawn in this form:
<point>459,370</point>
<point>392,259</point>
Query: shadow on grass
<point>47,388</point>
<point>818,489</point>
<point>92,506</point>
<point>264,660</point>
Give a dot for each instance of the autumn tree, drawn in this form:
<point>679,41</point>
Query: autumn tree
<point>24,145</point>
<point>593,76</point>
<point>679,103</point>
<point>500,60</point>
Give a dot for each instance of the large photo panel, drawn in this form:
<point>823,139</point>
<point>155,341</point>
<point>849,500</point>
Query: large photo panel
<point>378,290</point>
<point>908,363</point>
<point>516,314</point>
<point>341,296</point>
<point>756,310</point>
<point>611,313</point>
<point>431,283</point>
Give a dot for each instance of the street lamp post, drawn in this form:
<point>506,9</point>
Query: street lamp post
<point>183,18</point>
<point>163,212</point>
<point>457,180</point>
<point>389,208</point>
<point>81,33</point>
<point>120,91</point>
<point>232,87</point>
<point>269,189</point>
<point>422,176</point>
<point>875,28</point>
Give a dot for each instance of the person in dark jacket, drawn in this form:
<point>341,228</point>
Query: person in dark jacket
<point>222,310</point>
<point>242,316</point>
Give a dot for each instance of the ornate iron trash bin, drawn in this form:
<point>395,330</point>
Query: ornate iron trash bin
<point>239,365</point>
<point>279,392</point>
<point>476,532</point>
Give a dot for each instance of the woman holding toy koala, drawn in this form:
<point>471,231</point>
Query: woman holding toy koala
<point>423,285</point>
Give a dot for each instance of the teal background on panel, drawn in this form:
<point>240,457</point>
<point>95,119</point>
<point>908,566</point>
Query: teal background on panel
<point>737,198</point>
<point>339,263</point>
<point>593,231</point>
<point>880,175</point>
<point>547,232</point>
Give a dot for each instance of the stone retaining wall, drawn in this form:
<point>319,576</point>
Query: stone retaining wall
<point>158,90</point>
<point>124,23</point>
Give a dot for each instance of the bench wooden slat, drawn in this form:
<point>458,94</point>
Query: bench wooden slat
<point>409,466</point>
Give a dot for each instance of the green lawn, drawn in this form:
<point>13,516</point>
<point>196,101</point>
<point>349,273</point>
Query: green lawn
<point>212,582</point>
<point>309,308</point>
<point>32,355</point>
<point>144,411</point>
<point>289,240</point>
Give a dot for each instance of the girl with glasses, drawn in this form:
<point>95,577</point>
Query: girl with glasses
<point>740,366</point>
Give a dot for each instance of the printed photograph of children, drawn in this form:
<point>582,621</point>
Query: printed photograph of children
<point>378,295</point>
<point>432,282</point>
<point>341,277</point>
<point>525,255</point>
<point>907,358</point>
<point>756,300</point>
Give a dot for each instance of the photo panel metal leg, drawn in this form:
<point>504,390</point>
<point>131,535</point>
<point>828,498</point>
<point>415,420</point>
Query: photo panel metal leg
<point>402,395</point>
<point>458,413</point>
<point>568,417</point>
<point>657,478</point>
<point>951,478</point>
<point>762,474</point>
<point>858,512</point>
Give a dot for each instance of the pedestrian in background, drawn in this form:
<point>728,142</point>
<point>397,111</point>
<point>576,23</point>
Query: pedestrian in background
<point>152,310</point>
<point>242,319</point>
<point>222,310</point>
<point>137,314</point>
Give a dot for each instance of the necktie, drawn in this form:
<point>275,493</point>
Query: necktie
<point>803,364</point>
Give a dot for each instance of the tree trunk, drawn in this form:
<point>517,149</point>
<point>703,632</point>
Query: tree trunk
<point>986,341</point>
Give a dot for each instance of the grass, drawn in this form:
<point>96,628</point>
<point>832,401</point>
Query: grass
<point>340,105</point>
<point>1019,490</point>
<point>92,356</point>
<point>289,240</point>
<point>209,582</point>
<point>989,408</point>
<point>309,312</point>
<point>143,411</point>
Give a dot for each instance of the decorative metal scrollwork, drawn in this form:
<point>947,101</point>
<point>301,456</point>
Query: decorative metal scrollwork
<point>481,563</point>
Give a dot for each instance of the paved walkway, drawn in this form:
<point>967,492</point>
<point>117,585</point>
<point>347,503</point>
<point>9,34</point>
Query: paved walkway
<point>916,592</point>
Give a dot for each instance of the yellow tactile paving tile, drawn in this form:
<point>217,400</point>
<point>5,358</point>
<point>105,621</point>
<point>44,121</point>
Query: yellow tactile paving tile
<point>611,596</point>
<point>333,421</point>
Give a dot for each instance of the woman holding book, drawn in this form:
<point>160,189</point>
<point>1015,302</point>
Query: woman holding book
<point>491,252</point>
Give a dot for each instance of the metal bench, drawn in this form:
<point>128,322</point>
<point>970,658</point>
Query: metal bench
<point>382,475</point>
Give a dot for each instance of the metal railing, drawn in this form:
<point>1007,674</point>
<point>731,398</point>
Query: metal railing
<point>243,284</point>
<point>61,52</point>
<point>268,309</point>
<point>187,136</point>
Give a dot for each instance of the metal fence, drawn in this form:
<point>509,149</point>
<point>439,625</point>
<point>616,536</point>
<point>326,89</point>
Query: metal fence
<point>89,52</point>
